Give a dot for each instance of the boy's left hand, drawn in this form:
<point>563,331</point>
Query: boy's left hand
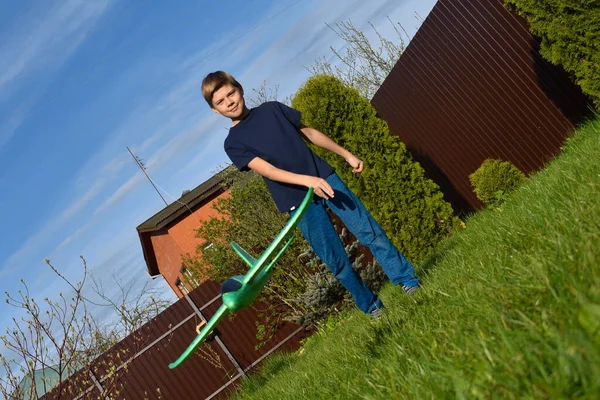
<point>356,163</point>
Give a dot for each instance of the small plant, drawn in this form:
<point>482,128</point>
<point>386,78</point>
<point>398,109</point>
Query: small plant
<point>324,294</point>
<point>495,180</point>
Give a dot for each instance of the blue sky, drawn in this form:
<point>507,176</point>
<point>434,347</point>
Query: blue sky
<point>81,80</point>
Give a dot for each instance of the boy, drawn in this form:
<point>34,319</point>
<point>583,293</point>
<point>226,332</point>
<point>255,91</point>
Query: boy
<point>268,139</point>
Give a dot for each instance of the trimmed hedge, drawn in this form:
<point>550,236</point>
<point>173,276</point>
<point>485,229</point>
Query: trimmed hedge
<point>570,35</point>
<point>494,180</point>
<point>393,187</point>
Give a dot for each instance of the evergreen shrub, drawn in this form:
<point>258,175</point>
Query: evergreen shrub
<point>324,293</point>
<point>570,36</point>
<point>494,180</point>
<point>393,187</point>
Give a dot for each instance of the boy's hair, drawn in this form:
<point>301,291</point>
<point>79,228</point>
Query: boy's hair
<point>215,81</point>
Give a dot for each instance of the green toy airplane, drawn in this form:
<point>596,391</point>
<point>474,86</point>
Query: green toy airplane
<point>240,291</point>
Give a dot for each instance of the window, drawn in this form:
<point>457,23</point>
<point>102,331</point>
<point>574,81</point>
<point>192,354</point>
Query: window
<point>181,286</point>
<point>185,272</point>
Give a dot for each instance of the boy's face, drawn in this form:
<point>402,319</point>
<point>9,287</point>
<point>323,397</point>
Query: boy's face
<point>229,102</point>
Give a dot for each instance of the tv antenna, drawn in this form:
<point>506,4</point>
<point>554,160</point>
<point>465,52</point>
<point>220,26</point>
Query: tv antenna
<point>140,163</point>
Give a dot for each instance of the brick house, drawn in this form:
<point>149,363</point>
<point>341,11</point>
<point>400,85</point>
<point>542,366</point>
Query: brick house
<point>170,233</point>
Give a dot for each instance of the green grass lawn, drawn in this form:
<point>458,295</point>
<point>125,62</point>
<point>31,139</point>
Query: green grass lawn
<point>510,307</point>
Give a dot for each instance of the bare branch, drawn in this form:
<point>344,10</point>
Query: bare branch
<point>64,336</point>
<point>363,65</point>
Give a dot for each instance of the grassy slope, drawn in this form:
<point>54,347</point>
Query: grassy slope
<point>510,307</point>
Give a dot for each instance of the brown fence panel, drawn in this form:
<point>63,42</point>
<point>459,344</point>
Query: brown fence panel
<point>239,331</point>
<point>471,85</point>
<point>198,377</point>
<point>243,343</point>
<point>137,367</point>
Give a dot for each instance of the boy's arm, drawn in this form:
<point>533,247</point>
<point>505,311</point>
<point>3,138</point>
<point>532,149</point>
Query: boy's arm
<point>320,139</point>
<point>268,170</point>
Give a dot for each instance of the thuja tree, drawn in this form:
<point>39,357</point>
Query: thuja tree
<point>408,205</point>
<point>570,36</point>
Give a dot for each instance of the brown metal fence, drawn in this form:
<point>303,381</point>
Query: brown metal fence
<point>137,367</point>
<point>471,85</point>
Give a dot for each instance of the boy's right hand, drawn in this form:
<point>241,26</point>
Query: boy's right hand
<point>320,186</point>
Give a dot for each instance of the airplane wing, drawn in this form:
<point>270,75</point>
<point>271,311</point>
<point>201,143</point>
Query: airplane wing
<point>208,328</point>
<point>256,266</point>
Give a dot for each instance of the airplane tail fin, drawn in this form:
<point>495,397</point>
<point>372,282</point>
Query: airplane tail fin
<point>248,259</point>
<point>283,235</point>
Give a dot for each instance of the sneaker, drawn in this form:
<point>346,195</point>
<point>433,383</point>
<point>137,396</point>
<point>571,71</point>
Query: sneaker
<point>378,312</point>
<point>410,290</point>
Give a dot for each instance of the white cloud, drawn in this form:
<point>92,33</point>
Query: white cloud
<point>75,207</point>
<point>114,166</point>
<point>47,36</point>
<point>309,39</point>
<point>70,239</point>
<point>176,110</point>
<point>181,143</point>
<point>34,242</point>
<point>123,190</point>
<point>39,43</point>
<point>9,126</point>
<point>156,121</point>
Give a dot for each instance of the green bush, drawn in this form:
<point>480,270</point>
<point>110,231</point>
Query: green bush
<point>393,187</point>
<point>495,180</point>
<point>570,36</point>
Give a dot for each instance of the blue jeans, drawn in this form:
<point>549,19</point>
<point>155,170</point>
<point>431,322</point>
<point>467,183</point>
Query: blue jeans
<point>317,228</point>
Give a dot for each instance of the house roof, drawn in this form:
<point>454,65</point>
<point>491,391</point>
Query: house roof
<point>171,213</point>
<point>45,379</point>
<point>179,207</point>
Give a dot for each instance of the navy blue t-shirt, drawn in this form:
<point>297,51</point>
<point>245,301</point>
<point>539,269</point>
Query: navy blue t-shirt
<point>270,131</point>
